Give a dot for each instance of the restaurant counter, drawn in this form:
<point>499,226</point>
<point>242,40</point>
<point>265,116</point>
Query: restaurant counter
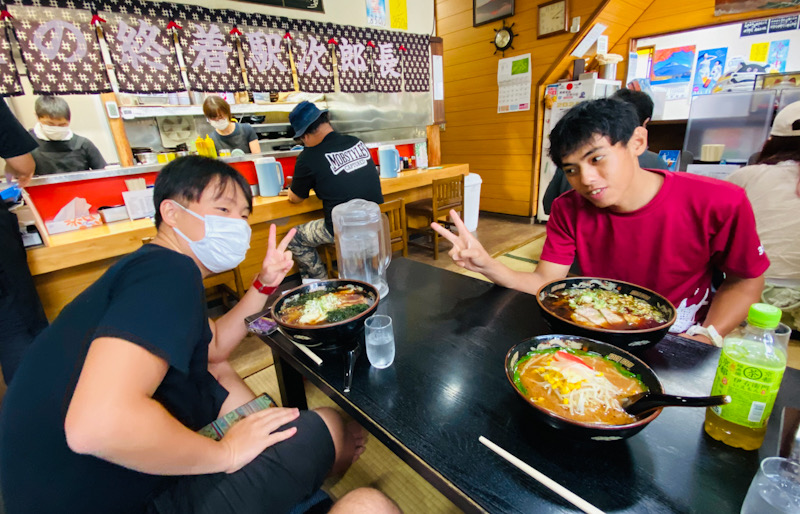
<point>74,260</point>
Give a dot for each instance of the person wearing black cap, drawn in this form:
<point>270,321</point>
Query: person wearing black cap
<point>338,168</point>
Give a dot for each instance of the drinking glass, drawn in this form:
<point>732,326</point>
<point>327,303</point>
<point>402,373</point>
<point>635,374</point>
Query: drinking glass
<point>775,489</point>
<point>379,336</point>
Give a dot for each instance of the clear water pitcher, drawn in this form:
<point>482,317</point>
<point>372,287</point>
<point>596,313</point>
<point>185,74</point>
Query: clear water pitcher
<point>363,244</point>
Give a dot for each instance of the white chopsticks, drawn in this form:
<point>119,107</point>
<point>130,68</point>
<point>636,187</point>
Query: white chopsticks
<point>543,479</point>
<point>311,355</point>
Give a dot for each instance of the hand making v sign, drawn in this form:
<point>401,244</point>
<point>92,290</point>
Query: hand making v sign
<point>278,260</point>
<point>467,251</point>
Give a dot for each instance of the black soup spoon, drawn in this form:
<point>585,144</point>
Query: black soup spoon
<point>646,402</point>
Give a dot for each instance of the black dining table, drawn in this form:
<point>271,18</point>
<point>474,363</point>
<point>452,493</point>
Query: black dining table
<point>447,386</point>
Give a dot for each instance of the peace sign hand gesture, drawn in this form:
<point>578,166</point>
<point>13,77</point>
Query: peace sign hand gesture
<point>467,252</point>
<point>278,260</point>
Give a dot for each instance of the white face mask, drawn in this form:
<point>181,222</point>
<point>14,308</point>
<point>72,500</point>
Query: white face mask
<point>55,133</point>
<point>225,244</point>
<point>219,124</point>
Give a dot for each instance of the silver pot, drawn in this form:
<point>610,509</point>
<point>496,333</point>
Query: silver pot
<point>182,153</point>
<point>147,158</point>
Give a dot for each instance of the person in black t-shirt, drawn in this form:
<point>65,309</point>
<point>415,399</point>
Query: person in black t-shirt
<point>21,313</point>
<point>106,403</point>
<point>61,151</point>
<point>228,134</point>
<point>338,168</point>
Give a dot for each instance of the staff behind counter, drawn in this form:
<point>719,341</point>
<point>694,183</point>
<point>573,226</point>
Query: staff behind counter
<point>60,150</point>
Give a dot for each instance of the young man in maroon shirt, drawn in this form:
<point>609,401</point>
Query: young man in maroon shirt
<point>662,230</point>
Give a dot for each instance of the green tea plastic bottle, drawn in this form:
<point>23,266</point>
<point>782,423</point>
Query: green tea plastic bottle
<point>750,370</point>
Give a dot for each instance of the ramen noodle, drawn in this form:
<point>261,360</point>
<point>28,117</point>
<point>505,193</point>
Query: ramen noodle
<point>577,385</point>
<point>601,308</point>
<point>325,306</point>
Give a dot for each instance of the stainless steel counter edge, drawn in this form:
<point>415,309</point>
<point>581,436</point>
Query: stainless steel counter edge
<point>76,176</point>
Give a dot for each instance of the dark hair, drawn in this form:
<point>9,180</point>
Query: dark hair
<point>639,100</point>
<point>186,178</point>
<point>323,118</point>
<point>604,117</point>
<point>780,148</point>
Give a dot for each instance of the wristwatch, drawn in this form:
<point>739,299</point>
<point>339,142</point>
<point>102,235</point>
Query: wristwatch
<point>262,288</point>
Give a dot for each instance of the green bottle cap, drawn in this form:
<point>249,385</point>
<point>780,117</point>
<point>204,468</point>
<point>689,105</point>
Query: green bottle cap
<point>763,315</point>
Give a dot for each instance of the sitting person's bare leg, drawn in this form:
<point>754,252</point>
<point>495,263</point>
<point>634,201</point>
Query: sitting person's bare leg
<point>238,392</point>
<point>365,501</point>
<point>348,439</point>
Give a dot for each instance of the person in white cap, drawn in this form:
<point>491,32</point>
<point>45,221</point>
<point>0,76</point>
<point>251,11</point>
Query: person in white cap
<point>773,187</point>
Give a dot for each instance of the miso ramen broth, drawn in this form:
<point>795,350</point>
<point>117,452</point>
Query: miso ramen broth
<point>325,306</point>
<point>601,308</point>
<point>577,385</point>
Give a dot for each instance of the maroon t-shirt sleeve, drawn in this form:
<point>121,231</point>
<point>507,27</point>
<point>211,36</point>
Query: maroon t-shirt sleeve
<point>559,246</point>
<point>736,247</point>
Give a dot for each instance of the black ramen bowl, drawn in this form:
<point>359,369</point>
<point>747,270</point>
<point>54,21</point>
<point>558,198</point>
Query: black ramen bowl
<point>326,335</point>
<point>632,340</point>
<point>577,429</point>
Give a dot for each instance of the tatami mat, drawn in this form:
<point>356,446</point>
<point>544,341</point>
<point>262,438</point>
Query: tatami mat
<point>378,467</point>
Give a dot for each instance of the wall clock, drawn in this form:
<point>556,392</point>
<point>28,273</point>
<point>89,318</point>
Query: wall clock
<point>552,18</point>
<point>503,37</point>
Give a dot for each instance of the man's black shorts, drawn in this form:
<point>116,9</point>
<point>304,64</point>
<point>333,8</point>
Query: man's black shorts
<point>278,479</point>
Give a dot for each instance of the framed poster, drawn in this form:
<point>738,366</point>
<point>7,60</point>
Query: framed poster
<point>672,65</point>
<point>487,11</point>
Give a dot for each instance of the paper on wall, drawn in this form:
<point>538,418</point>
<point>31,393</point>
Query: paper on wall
<point>438,78</point>
<point>514,84</point>
<point>398,14</point>
<point>759,52</point>
<point>589,40</point>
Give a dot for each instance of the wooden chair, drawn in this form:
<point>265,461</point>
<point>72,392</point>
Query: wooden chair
<point>395,211</point>
<point>448,193</point>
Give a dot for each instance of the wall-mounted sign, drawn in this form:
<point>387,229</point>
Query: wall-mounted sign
<point>753,28</point>
<point>783,23</point>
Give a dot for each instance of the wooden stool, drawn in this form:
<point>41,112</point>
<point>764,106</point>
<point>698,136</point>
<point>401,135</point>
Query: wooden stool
<point>448,193</point>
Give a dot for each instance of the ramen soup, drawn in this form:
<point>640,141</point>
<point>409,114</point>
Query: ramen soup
<point>600,308</point>
<point>325,306</point>
<point>577,385</point>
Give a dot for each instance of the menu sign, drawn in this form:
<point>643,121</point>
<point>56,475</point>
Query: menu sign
<point>9,78</point>
<point>783,23</point>
<point>754,28</point>
<point>141,46</point>
<point>60,50</point>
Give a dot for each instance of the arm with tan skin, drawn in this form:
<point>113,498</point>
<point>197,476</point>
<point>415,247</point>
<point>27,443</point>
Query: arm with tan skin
<point>113,416</point>
<point>294,198</point>
<point>731,303</point>
<point>468,253</point>
<point>21,167</point>
<point>230,329</point>
<point>255,147</point>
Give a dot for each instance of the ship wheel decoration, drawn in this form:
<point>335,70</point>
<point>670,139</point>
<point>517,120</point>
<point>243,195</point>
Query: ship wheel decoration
<point>503,37</point>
